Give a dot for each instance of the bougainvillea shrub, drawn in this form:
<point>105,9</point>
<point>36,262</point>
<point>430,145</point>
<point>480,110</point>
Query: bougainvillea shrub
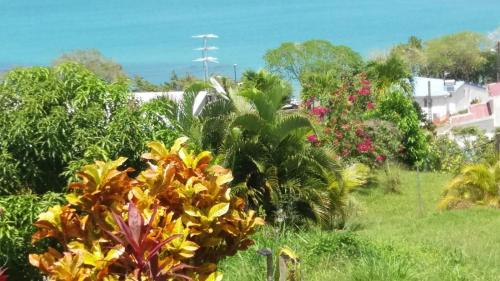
<point>343,119</point>
<point>174,221</point>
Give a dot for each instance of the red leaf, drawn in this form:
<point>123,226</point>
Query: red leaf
<point>135,222</point>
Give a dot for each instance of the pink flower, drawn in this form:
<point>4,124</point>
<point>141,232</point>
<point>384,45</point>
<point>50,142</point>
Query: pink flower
<point>313,139</point>
<point>365,82</point>
<point>365,146</point>
<point>380,158</point>
<point>320,112</point>
<point>370,105</point>
<point>352,99</point>
<point>364,91</point>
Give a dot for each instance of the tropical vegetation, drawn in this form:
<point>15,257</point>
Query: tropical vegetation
<point>176,220</point>
<point>97,185</point>
<point>475,184</point>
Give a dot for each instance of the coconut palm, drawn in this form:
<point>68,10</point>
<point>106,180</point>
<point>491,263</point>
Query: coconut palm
<point>476,184</point>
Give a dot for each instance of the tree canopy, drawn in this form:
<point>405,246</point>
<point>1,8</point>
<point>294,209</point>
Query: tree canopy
<point>93,60</point>
<point>294,60</point>
<point>458,54</point>
<point>462,56</point>
<point>56,119</point>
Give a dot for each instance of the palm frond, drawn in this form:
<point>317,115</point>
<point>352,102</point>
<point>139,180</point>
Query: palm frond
<point>355,176</point>
<point>289,125</point>
<point>250,122</point>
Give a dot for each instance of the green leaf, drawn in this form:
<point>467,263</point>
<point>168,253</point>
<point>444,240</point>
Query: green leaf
<point>218,210</point>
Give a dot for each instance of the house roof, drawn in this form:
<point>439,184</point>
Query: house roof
<point>147,96</point>
<point>494,89</point>
<point>437,86</point>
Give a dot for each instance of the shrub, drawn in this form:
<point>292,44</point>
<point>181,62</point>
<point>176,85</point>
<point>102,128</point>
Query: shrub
<point>17,214</point>
<point>396,106</point>
<point>347,125</point>
<point>9,173</point>
<point>175,220</point>
<point>445,155</point>
<point>476,146</point>
<point>475,184</point>
<point>56,119</point>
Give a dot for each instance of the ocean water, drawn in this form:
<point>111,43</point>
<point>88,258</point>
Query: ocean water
<point>153,37</point>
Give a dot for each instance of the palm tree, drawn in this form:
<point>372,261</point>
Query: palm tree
<point>476,184</point>
<point>274,166</point>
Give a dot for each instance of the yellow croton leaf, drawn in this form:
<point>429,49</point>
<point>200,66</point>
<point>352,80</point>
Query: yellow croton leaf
<point>158,150</point>
<point>73,199</point>
<point>224,178</point>
<point>192,211</point>
<point>69,268</point>
<point>96,257</point>
<point>191,188</point>
<point>216,276</point>
<point>53,216</point>
<point>157,178</point>
<point>218,210</point>
<point>178,144</point>
<point>181,245</point>
<point>101,172</point>
<point>144,201</point>
<point>202,158</point>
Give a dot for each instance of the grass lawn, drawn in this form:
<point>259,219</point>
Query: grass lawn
<point>395,237</point>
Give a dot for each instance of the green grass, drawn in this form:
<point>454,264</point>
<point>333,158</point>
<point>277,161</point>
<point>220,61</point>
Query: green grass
<point>396,237</point>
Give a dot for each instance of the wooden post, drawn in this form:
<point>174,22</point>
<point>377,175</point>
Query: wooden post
<point>429,100</point>
<point>266,252</point>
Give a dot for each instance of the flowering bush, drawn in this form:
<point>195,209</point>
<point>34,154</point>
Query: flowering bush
<point>174,221</point>
<point>347,128</point>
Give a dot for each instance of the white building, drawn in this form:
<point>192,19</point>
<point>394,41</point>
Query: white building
<point>201,99</point>
<point>484,115</point>
<point>447,97</point>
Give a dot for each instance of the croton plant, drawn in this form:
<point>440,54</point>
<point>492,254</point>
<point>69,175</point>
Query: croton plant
<point>174,221</point>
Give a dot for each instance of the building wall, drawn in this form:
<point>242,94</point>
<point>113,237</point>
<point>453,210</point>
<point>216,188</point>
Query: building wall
<point>463,97</point>
<point>458,101</point>
<point>440,106</point>
<point>487,125</point>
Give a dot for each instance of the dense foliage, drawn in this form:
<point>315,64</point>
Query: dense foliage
<point>462,56</point>
<point>396,106</point>
<point>92,59</point>
<point>276,169</point>
<point>174,221</point>
<point>297,60</point>
<point>347,126</point>
<point>467,145</point>
<point>56,119</point>
<point>17,214</point>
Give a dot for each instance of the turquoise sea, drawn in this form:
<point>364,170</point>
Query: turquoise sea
<point>153,37</point>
